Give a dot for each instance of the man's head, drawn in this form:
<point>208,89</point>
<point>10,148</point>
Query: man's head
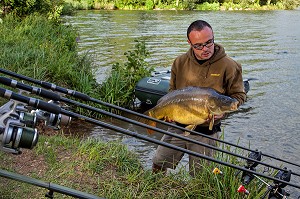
<point>201,38</point>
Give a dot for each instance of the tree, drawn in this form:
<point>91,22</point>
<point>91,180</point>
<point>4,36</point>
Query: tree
<point>23,8</point>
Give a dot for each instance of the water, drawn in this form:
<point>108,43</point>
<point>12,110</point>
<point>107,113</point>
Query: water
<point>266,43</point>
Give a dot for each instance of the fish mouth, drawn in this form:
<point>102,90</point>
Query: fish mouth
<point>234,106</point>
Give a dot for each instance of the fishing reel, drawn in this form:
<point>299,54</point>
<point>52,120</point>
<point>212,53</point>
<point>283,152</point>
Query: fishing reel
<point>18,122</point>
<point>16,135</point>
<point>54,121</point>
<point>17,128</point>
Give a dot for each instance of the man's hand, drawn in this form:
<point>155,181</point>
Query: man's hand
<point>218,117</point>
<point>167,119</point>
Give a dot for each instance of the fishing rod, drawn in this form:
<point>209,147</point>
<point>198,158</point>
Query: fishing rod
<point>18,108</point>
<point>53,108</point>
<point>85,97</point>
<point>56,97</point>
<point>48,185</point>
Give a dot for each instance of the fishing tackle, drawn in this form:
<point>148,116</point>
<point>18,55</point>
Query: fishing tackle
<point>39,104</point>
<point>85,97</point>
<point>217,171</point>
<point>56,97</point>
<point>54,121</point>
<point>275,191</point>
<point>246,176</point>
<point>52,187</point>
<point>17,128</point>
<point>18,125</point>
<point>41,107</point>
<point>242,189</point>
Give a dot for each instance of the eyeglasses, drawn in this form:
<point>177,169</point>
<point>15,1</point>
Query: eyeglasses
<point>207,44</point>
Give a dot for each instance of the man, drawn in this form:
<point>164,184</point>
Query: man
<point>204,65</point>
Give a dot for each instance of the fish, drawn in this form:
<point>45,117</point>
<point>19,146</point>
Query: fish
<point>191,106</point>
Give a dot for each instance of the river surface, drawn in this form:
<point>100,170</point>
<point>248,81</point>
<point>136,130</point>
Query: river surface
<point>266,43</point>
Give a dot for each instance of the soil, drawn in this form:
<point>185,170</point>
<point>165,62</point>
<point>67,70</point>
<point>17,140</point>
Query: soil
<point>28,162</point>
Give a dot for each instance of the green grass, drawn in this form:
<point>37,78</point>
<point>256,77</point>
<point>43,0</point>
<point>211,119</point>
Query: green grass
<point>110,170</point>
<point>41,49</point>
<point>48,51</point>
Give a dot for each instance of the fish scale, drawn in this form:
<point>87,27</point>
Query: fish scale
<point>191,106</point>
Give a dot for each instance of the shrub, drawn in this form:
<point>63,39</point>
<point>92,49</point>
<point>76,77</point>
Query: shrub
<point>119,87</point>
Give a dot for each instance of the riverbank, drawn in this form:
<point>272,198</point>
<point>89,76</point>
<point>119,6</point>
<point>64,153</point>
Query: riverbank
<point>106,169</point>
<point>183,5</point>
<point>81,164</point>
<point>109,170</point>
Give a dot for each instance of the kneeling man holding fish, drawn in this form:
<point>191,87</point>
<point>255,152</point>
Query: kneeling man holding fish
<point>206,66</point>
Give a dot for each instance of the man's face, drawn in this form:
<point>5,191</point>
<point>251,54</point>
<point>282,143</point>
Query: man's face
<point>202,43</point>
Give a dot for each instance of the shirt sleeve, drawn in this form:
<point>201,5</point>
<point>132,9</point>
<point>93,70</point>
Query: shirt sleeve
<point>173,77</point>
<point>235,85</point>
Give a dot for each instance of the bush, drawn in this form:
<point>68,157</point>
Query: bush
<point>208,6</point>
<point>23,8</point>
<point>119,87</point>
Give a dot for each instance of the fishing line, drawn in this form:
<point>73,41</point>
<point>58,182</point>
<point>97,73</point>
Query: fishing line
<point>56,97</point>
<point>53,108</point>
<point>85,97</point>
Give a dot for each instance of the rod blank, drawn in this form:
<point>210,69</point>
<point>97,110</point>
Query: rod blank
<point>134,134</point>
<point>47,185</point>
<point>69,101</point>
<point>85,97</point>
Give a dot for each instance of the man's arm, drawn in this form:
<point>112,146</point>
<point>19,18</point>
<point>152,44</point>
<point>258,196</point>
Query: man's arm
<point>235,85</point>
<point>173,78</point>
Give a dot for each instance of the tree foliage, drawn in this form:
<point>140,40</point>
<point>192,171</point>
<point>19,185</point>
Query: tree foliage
<point>54,8</point>
<point>187,4</point>
<point>22,8</point>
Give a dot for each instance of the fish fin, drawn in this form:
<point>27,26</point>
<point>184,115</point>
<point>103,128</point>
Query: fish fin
<point>189,127</point>
<point>212,121</point>
<point>148,122</point>
<point>151,123</point>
